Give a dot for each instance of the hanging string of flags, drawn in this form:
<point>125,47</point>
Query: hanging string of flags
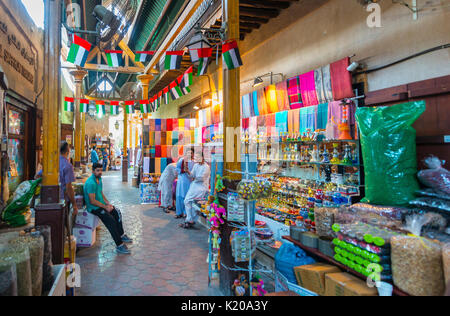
<point>80,48</point>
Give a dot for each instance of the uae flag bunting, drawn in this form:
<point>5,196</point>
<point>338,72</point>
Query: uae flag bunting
<point>204,55</point>
<point>129,107</point>
<point>157,104</point>
<point>144,106</point>
<point>166,95</point>
<point>188,77</point>
<point>114,108</point>
<point>114,57</point>
<point>160,99</point>
<point>173,60</point>
<point>175,91</point>
<point>231,56</point>
<point>184,90</point>
<point>84,106</point>
<point>152,105</point>
<point>79,51</point>
<point>69,104</point>
<point>142,57</point>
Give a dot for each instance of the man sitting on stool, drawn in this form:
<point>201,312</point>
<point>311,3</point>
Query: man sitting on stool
<point>98,205</point>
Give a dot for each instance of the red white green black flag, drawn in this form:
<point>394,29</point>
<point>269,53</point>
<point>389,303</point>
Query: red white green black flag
<point>114,107</point>
<point>231,56</point>
<point>129,107</point>
<point>175,90</point>
<point>79,51</point>
<point>69,104</point>
<point>143,56</point>
<point>100,107</point>
<point>185,90</point>
<point>144,106</point>
<point>204,55</point>
<point>173,60</point>
<point>114,57</point>
<point>84,105</point>
<point>166,95</point>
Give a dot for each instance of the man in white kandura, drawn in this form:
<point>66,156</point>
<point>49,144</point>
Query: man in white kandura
<point>165,186</point>
<point>199,188</point>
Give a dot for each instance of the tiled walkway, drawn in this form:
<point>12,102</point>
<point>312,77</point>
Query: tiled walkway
<point>166,260</point>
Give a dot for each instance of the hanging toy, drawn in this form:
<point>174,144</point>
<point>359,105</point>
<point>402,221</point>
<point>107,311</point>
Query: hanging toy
<point>214,220</point>
<point>219,184</point>
<point>216,240</point>
<point>219,212</point>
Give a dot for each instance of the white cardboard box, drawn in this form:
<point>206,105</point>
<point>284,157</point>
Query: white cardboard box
<point>85,236</point>
<point>86,220</point>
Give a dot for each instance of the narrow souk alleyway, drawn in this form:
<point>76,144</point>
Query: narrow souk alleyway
<point>166,260</point>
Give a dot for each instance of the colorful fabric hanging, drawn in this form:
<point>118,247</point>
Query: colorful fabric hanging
<point>245,106</point>
<point>320,90</point>
<point>181,124</point>
<point>308,88</point>
<point>163,150</point>
<point>175,124</point>
<point>326,76</point>
<point>143,56</point>
<point>158,151</point>
<point>281,121</point>
<point>158,165</point>
<point>204,55</point>
<point>262,105</point>
<point>282,96</point>
<point>79,51</point>
<point>175,138</point>
<point>294,93</point>
<point>163,138</point>
<point>254,100</point>
<point>322,116</point>
<point>341,79</point>
<point>151,139</point>
<point>231,56</point>
<point>158,138</point>
<point>308,119</point>
<point>158,125</point>
<point>173,60</point>
<point>169,138</point>
<point>163,163</point>
<point>271,98</point>
<point>169,125</point>
<point>84,105</point>
<point>163,125</point>
<point>69,104</point>
<point>114,58</point>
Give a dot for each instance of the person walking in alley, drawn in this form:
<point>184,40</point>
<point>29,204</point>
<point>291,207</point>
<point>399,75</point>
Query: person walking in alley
<point>184,167</point>
<point>200,176</point>
<point>67,177</point>
<point>94,156</point>
<point>98,205</point>
<point>165,186</point>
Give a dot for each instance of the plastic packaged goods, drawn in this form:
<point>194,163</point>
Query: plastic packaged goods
<point>446,260</point>
<point>436,177</point>
<point>35,244</point>
<point>391,212</point>
<point>8,280</point>
<point>417,266</point>
<point>432,193</point>
<point>47,267</point>
<point>430,202</point>
<point>288,257</point>
<point>388,143</point>
<point>354,215</point>
<point>248,190</point>
<point>324,218</point>
<point>20,256</point>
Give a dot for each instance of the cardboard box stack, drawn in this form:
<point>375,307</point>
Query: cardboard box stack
<point>344,284</point>
<point>312,277</point>
<point>85,229</point>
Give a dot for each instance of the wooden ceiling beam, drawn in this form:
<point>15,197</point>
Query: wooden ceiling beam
<point>268,4</point>
<point>252,19</point>
<point>250,25</point>
<point>259,12</point>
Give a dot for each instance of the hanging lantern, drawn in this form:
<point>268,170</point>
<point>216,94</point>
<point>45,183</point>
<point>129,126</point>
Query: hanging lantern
<point>197,41</point>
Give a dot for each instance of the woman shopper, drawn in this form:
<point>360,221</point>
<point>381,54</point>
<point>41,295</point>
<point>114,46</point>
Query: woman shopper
<point>184,167</point>
<point>199,189</point>
<point>165,185</point>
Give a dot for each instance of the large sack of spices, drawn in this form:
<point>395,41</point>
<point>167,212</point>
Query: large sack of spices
<point>388,143</point>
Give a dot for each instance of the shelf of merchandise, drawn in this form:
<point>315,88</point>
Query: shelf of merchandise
<point>317,253</point>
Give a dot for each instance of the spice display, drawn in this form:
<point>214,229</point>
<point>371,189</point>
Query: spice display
<point>324,221</point>
<point>417,266</point>
<point>20,256</point>
<point>8,280</point>
<point>35,244</point>
<point>446,260</point>
<point>436,177</point>
<point>47,267</point>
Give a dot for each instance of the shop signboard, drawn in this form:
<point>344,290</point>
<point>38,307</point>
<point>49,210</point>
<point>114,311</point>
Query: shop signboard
<point>18,55</point>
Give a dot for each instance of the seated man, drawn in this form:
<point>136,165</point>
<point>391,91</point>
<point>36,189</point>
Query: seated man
<point>98,205</point>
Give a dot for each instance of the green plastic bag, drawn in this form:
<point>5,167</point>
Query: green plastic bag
<point>21,198</point>
<point>388,143</point>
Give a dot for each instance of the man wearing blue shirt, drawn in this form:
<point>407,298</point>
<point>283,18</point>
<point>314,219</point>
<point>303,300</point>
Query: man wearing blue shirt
<point>94,156</point>
<point>98,204</point>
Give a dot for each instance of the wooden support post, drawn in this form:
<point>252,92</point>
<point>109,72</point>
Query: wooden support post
<point>78,140</point>
<point>50,209</point>
<point>125,147</point>
<point>231,152</point>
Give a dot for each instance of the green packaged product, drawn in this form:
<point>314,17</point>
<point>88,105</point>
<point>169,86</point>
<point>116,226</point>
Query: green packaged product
<point>388,143</point>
